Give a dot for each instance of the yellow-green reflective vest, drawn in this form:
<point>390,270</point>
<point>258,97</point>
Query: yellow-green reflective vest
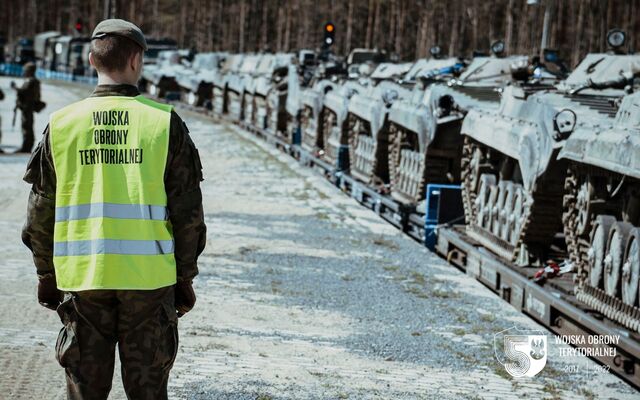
<point>111,226</point>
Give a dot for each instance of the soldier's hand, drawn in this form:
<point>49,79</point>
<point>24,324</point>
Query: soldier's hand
<point>48,294</point>
<point>185,297</point>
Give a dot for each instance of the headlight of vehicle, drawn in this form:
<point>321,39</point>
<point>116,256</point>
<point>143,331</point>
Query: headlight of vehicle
<point>616,38</point>
<point>497,48</point>
<point>564,122</point>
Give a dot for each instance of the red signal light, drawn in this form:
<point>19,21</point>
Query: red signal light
<point>329,28</point>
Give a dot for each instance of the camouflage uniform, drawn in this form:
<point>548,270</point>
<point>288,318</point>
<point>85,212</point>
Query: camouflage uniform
<point>28,96</point>
<point>143,323</point>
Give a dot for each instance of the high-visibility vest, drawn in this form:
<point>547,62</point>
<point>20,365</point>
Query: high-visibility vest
<point>111,222</point>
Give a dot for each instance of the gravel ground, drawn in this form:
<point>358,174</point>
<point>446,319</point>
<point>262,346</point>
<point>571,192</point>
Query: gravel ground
<point>303,294</point>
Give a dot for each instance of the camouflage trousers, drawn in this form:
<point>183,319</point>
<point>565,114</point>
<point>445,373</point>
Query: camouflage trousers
<point>27,131</point>
<point>143,323</point>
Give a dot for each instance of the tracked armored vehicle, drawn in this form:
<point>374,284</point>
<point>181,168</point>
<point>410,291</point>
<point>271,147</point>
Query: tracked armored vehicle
<point>197,82</point>
<point>270,94</point>
<point>360,64</point>
<point>311,101</point>
<point>237,81</point>
<point>298,72</point>
<point>258,84</point>
<point>513,180</point>
<point>369,117</point>
<point>160,78</point>
<point>602,194</point>
<point>425,145</point>
<point>220,79</point>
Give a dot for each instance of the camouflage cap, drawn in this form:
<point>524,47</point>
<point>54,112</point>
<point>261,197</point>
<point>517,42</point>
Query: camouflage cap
<point>120,27</point>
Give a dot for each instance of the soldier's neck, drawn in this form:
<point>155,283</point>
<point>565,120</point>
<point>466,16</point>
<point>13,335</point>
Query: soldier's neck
<point>116,79</point>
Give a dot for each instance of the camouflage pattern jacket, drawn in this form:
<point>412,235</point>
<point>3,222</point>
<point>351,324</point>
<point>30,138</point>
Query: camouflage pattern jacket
<point>183,175</point>
<point>28,94</point>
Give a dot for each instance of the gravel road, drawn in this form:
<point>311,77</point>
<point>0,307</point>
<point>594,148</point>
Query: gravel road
<point>302,294</point>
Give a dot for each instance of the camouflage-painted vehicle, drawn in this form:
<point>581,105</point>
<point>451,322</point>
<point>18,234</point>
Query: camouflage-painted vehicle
<point>272,108</point>
<point>513,185</point>
<point>219,80</point>
<point>268,90</point>
<point>424,141</point>
<point>157,45</point>
<point>197,82</point>
<point>258,82</point>
<point>68,54</point>
<point>237,82</point>
<point>602,189</point>
<point>151,58</point>
<point>413,130</point>
<point>41,44</point>
<point>370,114</point>
<point>160,78</point>
<point>326,77</point>
<point>335,105</point>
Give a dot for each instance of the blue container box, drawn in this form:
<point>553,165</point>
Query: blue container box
<point>444,204</point>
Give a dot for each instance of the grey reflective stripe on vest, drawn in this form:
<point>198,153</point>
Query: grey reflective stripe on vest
<point>112,246</point>
<point>111,210</point>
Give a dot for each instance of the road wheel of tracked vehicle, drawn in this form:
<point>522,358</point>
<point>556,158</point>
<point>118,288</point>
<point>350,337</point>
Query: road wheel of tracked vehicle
<point>474,163</point>
<point>519,213</point>
<point>631,269</point>
<point>584,207</point>
<point>598,250</point>
<point>491,208</point>
<point>487,181</point>
<point>614,259</point>
<point>496,220</point>
<point>506,213</point>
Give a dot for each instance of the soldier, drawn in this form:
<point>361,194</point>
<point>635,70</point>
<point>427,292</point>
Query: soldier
<point>28,101</point>
<point>115,222</point>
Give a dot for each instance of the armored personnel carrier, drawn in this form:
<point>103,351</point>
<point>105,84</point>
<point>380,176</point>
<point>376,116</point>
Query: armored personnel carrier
<point>602,189</point>
<point>270,94</point>
<point>259,78</point>
<point>360,64</point>
<point>197,82</point>
<point>311,100</point>
<point>424,141</point>
<point>161,77</point>
<point>220,79</point>
<point>513,180</point>
<point>236,83</point>
<point>298,70</point>
<point>370,114</point>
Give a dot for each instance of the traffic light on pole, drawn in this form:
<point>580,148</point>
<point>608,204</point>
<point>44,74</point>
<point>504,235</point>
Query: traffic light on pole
<point>78,25</point>
<point>329,34</point>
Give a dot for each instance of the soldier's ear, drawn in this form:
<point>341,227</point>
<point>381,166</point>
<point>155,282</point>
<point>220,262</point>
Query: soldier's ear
<point>136,61</point>
<point>91,60</point>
